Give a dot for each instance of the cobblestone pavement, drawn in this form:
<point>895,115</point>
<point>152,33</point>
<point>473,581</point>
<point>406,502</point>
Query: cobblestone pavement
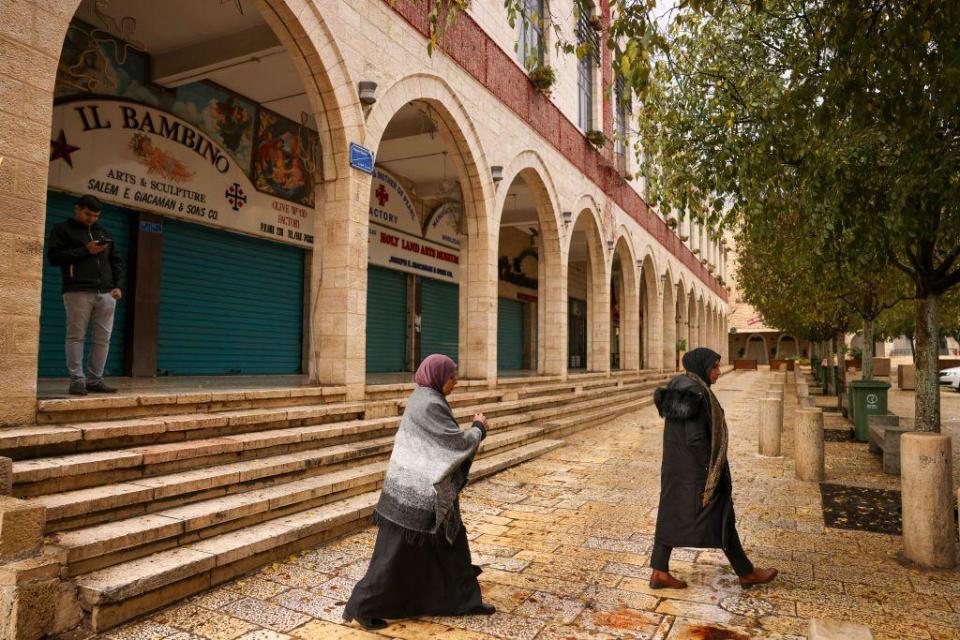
<point>564,542</point>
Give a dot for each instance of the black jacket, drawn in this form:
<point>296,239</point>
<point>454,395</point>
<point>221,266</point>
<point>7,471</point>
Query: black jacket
<point>82,271</point>
<point>682,520</point>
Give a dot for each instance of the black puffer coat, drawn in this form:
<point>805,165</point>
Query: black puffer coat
<point>682,521</point>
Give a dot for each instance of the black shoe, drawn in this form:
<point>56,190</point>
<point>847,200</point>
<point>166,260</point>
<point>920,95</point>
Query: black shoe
<point>370,624</point>
<point>483,610</point>
<point>100,387</point>
<point>78,388</point>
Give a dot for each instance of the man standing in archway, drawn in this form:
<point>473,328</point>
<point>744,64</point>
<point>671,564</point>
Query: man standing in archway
<point>91,268</point>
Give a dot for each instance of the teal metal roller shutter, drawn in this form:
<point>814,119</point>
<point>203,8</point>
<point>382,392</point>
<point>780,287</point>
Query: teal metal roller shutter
<point>386,320</point>
<point>439,318</point>
<point>509,334</point>
<point>53,317</point>
<point>229,304</point>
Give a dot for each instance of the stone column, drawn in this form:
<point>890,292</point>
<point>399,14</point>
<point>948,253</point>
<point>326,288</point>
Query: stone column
<point>553,312</point>
<point>927,482</point>
<point>771,421</point>
<point>339,289</point>
<point>809,444</point>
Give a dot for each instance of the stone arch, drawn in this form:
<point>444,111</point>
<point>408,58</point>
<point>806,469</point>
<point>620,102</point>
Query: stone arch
<point>598,286</point>
<point>702,321</point>
<point>781,353</point>
<point>629,338</point>
<point>552,291</point>
<point>27,109</point>
<point>750,351</point>
<point>478,259</point>
<point>653,313</point>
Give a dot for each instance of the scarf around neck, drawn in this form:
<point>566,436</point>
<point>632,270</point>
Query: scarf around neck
<point>429,466</point>
<point>718,440</point>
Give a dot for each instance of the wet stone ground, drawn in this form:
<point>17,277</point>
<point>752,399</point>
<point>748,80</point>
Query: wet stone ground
<point>564,541</point>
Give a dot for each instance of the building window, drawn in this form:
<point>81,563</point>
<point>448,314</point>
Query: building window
<point>621,112</point>
<point>530,43</point>
<point>588,50</point>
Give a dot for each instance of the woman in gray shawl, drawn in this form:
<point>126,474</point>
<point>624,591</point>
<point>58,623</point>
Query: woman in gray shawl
<point>421,560</point>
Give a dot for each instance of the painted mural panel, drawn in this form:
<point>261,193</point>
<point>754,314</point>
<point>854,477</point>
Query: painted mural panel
<point>284,152</point>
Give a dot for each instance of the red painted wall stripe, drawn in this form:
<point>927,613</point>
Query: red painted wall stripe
<point>470,47</point>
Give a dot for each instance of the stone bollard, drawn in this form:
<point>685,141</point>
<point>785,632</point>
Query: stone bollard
<point>803,390</point>
<point>771,424</point>
<point>809,444</point>
<point>927,483</point>
<point>808,403</point>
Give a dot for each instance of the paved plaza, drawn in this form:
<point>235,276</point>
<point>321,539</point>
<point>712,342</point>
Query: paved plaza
<point>564,543</point>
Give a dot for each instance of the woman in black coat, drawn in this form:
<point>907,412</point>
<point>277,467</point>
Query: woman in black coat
<point>696,490</point>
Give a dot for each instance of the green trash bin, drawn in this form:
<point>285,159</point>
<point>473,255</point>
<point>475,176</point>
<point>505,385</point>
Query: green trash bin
<point>869,397</point>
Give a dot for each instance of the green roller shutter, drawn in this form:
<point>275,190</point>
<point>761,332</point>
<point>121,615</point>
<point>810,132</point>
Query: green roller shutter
<point>229,304</point>
<point>439,318</point>
<point>386,320</point>
<point>53,317</point>
<point>577,334</point>
<point>509,334</point>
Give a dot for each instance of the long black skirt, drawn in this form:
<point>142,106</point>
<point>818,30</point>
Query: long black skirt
<point>407,580</point>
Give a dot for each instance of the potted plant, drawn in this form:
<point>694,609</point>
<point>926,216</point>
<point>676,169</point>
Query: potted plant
<point>596,22</point>
<point>696,251</point>
<point>684,237</point>
<point>672,223</point>
<point>596,138</point>
<point>543,78</point>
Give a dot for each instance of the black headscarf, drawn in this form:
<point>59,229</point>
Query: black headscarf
<point>700,361</point>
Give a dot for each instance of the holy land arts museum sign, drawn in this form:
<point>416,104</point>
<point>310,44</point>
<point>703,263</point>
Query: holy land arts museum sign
<point>398,241</point>
<point>146,158</point>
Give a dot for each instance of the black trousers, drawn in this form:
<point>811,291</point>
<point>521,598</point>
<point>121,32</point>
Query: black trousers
<point>660,559</point>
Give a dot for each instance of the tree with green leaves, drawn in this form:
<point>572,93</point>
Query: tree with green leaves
<point>848,107</point>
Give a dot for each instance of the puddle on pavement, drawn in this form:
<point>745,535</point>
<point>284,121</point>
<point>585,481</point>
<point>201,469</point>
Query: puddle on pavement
<point>706,632</point>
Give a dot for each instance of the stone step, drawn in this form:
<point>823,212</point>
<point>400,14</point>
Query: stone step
<point>125,405</point>
<point>54,473</point>
<point>147,495</point>
<point>119,593</point>
<point>190,521</point>
<point>44,440</point>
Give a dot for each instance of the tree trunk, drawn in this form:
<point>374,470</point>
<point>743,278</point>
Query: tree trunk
<point>866,357</point>
<point>927,403</point>
<point>828,377</point>
<point>841,347</point>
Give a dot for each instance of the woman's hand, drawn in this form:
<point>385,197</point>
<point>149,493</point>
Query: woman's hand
<point>482,419</point>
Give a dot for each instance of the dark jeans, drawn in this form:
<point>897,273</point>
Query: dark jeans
<point>660,560</point>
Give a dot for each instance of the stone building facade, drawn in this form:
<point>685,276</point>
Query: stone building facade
<point>510,156</point>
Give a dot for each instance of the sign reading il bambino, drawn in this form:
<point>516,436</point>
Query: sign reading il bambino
<point>146,158</point>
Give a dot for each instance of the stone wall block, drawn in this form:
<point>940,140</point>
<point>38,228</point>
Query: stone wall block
<point>21,528</point>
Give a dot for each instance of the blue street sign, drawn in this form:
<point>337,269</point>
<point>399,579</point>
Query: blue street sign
<point>151,227</point>
<point>361,158</point>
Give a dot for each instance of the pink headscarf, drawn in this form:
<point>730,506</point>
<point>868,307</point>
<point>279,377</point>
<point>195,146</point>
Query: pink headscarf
<point>434,371</point>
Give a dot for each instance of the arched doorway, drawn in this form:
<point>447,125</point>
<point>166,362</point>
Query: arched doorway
<point>757,349</point>
<point>209,169</point>
<point>787,346</point>
<point>624,309</point>
<point>424,203</point>
<point>653,327</point>
<point>528,251</point>
<point>589,294</point>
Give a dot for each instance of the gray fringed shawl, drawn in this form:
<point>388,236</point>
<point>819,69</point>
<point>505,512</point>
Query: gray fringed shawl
<point>428,467</point>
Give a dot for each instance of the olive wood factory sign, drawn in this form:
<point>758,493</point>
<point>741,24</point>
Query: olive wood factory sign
<point>396,238</point>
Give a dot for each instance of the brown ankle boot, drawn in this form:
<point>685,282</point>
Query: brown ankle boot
<point>759,576</point>
<point>663,580</point>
